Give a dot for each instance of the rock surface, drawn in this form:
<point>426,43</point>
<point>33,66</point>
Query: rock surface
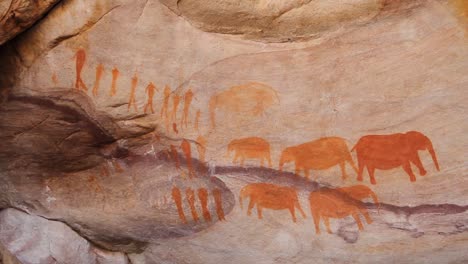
<point>139,124</point>
<point>18,15</point>
<point>32,239</point>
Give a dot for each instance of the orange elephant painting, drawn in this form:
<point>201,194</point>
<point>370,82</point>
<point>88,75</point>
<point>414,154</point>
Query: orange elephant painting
<point>319,154</point>
<point>250,148</point>
<point>265,195</point>
<point>386,152</point>
<point>330,203</point>
<point>359,192</point>
<point>252,98</point>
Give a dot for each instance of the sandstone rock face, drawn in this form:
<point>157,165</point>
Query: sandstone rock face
<point>18,15</point>
<point>33,239</point>
<point>243,131</point>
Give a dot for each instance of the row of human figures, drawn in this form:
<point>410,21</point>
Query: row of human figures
<point>247,99</point>
<point>169,115</point>
<point>373,152</point>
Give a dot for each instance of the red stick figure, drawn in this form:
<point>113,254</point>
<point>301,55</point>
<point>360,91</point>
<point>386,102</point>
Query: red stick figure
<point>97,81</point>
<point>197,120</point>
<point>175,101</point>
<point>201,148</point>
<point>187,101</point>
<point>203,195</point>
<point>185,146</point>
<point>177,196</point>
<point>132,93</point>
<point>115,75</point>
<point>191,199</point>
<point>150,90</point>
<point>164,108</point>
<point>80,61</point>
<point>219,204</point>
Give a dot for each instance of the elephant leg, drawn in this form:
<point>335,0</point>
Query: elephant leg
<point>360,170</point>
<point>236,156</point>
<point>293,213</point>
<point>269,160</point>
<point>351,162</point>
<point>251,205</point>
<point>298,205</point>
<point>296,170</point>
<point>306,173</point>
<point>316,217</point>
<point>262,161</point>
<point>327,224</point>
<point>259,212</point>
<point>343,171</point>
<point>358,221</point>
<point>407,167</point>
<point>371,171</point>
<point>242,161</point>
<point>415,159</point>
<point>366,215</point>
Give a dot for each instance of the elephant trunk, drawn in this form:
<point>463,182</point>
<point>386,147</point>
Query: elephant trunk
<point>433,155</point>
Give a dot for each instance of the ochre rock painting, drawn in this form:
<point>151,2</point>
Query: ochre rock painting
<point>97,81</point>
<point>80,57</point>
<point>329,203</point>
<point>115,76</point>
<point>201,148</point>
<point>359,192</point>
<point>250,148</point>
<point>191,198</point>
<point>219,204</point>
<point>265,195</point>
<point>150,91</point>
<point>175,106</point>
<point>386,152</point>
<point>131,100</point>
<point>319,154</point>
<point>187,101</point>
<point>164,108</point>
<point>197,121</point>
<point>252,99</point>
<point>177,197</point>
<point>203,196</point>
<point>186,149</point>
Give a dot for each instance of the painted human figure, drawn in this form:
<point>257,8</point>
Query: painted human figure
<point>187,101</point>
<point>115,76</point>
<point>132,93</point>
<point>80,57</point>
<point>97,81</point>
<point>150,90</point>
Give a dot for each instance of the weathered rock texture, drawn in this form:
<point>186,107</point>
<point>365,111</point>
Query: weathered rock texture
<point>33,239</point>
<point>139,123</point>
<point>18,15</point>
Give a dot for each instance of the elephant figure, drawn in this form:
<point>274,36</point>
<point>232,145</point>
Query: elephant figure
<point>331,203</point>
<point>319,154</point>
<point>271,196</point>
<point>359,193</point>
<point>252,98</point>
<point>251,147</point>
<point>390,151</point>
